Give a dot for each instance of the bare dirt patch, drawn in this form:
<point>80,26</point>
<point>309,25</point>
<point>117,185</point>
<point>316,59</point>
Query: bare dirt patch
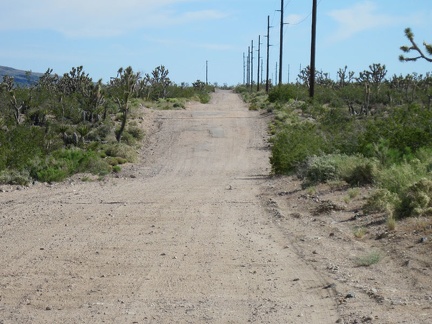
<point>197,232</point>
<point>377,275</point>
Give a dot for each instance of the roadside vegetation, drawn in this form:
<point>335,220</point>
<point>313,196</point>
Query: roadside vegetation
<point>369,129</point>
<point>62,125</point>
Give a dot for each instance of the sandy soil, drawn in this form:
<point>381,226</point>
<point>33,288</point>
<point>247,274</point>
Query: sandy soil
<point>198,232</point>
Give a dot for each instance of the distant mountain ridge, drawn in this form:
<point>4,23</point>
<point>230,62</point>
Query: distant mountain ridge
<point>20,77</point>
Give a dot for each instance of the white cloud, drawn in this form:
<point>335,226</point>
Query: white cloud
<point>92,18</point>
<point>360,17</point>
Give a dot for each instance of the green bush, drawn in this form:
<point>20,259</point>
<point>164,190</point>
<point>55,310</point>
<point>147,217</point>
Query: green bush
<point>398,177</point>
<point>20,145</point>
<point>293,145</point>
<point>417,200</point>
<point>121,150</point>
<point>15,177</point>
<point>282,93</point>
<point>363,174</point>
<point>66,162</point>
<point>136,132</point>
<point>353,169</point>
<point>318,169</point>
<point>381,200</point>
<point>368,259</point>
<point>204,98</point>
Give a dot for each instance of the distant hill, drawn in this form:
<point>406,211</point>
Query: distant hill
<point>20,77</point>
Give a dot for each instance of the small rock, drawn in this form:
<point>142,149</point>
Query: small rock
<point>48,308</point>
<point>423,240</point>
<point>350,295</point>
<point>296,279</point>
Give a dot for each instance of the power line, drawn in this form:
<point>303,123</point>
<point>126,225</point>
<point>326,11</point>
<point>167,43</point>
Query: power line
<point>304,19</point>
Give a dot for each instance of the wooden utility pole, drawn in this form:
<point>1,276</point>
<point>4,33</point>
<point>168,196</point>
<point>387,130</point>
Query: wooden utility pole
<point>206,72</point>
<point>313,42</point>
<point>281,41</point>
<point>248,67</point>
<point>259,58</point>
<point>251,72</point>
<point>262,70</point>
<point>244,68</point>
<point>268,54</point>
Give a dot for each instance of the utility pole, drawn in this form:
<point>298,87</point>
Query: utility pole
<point>281,42</point>
<point>268,53</point>
<point>313,42</point>
<point>259,58</point>
<point>276,72</point>
<point>288,73</point>
<point>262,70</point>
<point>206,72</point>
<point>244,67</point>
<point>252,49</point>
<point>248,67</point>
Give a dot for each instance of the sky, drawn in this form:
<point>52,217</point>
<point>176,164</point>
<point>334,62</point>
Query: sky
<point>187,35</point>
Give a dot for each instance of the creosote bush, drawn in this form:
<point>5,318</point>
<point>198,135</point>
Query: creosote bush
<point>292,145</point>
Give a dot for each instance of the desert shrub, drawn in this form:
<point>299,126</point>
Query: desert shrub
<point>399,135</point>
<point>127,138</point>
<point>398,177</point>
<point>328,96</point>
<point>121,150</point>
<point>359,232</point>
<point>282,93</point>
<point>381,200</point>
<point>293,145</point>
<point>94,164</point>
<point>204,97</point>
<point>424,155</point>
<point>101,132</point>
<point>353,169</point>
<point>136,132</point>
<point>382,151</point>
<point>363,174</point>
<point>417,200</point>
<point>66,162</point>
<point>15,177</point>
<point>115,160</point>
<point>175,91</point>
<point>368,259</point>
<point>20,145</point>
<point>347,164</point>
<point>318,169</point>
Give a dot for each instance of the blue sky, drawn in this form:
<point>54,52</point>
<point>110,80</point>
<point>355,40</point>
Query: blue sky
<point>104,35</point>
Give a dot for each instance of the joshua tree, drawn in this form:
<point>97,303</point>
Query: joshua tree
<point>158,82</point>
<point>406,49</point>
<point>125,84</point>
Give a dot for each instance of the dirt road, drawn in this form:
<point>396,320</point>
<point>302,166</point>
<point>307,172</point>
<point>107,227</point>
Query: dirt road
<point>181,237</point>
